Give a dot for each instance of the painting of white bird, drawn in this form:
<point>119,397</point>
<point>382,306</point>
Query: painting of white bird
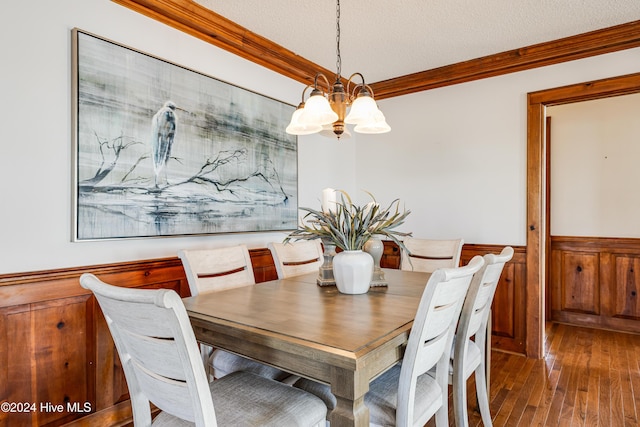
<point>163,132</point>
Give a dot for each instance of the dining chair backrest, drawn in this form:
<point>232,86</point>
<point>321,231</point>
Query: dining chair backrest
<point>296,258</point>
<point>158,351</point>
<point>217,269</point>
<point>430,254</point>
<point>477,305</point>
<point>470,356</point>
<point>431,336</point>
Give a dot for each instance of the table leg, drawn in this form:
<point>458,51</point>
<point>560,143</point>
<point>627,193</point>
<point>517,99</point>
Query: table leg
<point>349,389</point>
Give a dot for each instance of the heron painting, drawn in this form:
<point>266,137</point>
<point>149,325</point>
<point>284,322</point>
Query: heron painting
<point>163,131</point>
<point>162,150</point>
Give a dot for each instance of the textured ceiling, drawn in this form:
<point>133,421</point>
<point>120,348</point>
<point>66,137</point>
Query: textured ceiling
<point>384,39</point>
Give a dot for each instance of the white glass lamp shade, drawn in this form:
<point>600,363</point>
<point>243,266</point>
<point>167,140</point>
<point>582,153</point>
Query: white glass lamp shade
<point>362,110</point>
<point>327,131</point>
<point>297,128</point>
<point>378,124</point>
<point>317,111</point>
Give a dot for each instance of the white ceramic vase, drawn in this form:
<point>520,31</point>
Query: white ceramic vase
<point>352,271</point>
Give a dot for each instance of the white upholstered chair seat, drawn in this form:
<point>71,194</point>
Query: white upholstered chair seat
<point>472,359</point>
<point>223,363</point>
<point>382,398</point>
<point>243,399</point>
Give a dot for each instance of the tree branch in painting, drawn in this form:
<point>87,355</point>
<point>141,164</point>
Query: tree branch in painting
<point>204,176</point>
<point>116,146</point>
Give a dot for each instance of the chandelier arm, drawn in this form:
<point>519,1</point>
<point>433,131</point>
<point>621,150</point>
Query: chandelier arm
<point>304,91</point>
<point>352,92</point>
<point>315,82</point>
<point>369,89</point>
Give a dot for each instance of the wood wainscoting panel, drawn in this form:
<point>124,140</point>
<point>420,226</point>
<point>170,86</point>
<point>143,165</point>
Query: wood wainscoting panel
<point>61,377</point>
<point>45,360</point>
<point>55,346</point>
<point>504,319</point>
<point>580,282</point>
<point>625,294</point>
<point>390,255</point>
<point>15,386</point>
<point>595,282</point>
<point>56,352</point>
<point>264,268</point>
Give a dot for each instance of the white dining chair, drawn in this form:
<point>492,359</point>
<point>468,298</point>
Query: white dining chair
<point>430,254</point>
<point>213,270</point>
<point>468,355</point>
<point>409,393</point>
<point>161,362</point>
<point>296,258</point>
<point>217,269</point>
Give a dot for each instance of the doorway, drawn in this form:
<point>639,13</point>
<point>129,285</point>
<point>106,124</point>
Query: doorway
<point>536,195</point>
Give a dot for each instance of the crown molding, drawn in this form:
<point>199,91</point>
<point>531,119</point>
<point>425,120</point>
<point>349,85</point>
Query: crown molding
<point>200,22</point>
<point>612,39</point>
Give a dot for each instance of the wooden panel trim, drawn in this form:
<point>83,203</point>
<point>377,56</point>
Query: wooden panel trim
<point>45,285</point>
<point>59,283</point>
<point>612,39</point>
<point>118,415</point>
<point>534,313</point>
<point>485,248</point>
<point>12,279</point>
<point>596,244</point>
<point>621,85</point>
<point>200,22</point>
<point>73,272</point>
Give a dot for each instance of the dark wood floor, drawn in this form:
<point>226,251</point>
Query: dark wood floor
<point>588,377</point>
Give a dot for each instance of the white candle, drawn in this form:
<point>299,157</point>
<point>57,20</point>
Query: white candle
<point>329,200</point>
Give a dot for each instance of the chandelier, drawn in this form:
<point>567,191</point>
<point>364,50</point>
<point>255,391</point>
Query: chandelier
<point>326,109</point>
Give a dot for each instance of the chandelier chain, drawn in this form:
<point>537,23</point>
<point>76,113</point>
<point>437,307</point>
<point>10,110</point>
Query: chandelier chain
<point>338,58</point>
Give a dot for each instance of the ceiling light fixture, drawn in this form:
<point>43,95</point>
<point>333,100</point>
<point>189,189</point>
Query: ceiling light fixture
<point>325,110</point>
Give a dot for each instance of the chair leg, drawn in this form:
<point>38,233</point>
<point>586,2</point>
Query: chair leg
<point>206,352</point>
<point>481,392</point>
<point>442,415</point>
<point>460,400</point>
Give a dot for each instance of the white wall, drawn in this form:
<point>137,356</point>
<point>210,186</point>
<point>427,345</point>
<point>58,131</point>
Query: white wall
<point>35,88</point>
<point>595,150</point>
<point>457,155</point>
<point>446,145</point>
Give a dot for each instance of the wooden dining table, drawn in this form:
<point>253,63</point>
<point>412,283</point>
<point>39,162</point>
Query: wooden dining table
<point>315,331</point>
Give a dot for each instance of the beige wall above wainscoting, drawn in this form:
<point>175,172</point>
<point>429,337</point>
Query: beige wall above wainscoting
<point>595,150</point>
<point>445,147</point>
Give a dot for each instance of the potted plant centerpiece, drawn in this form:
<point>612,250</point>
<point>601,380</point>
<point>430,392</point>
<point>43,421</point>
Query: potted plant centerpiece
<point>349,227</point>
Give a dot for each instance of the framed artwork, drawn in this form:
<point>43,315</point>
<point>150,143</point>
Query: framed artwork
<point>161,150</point>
